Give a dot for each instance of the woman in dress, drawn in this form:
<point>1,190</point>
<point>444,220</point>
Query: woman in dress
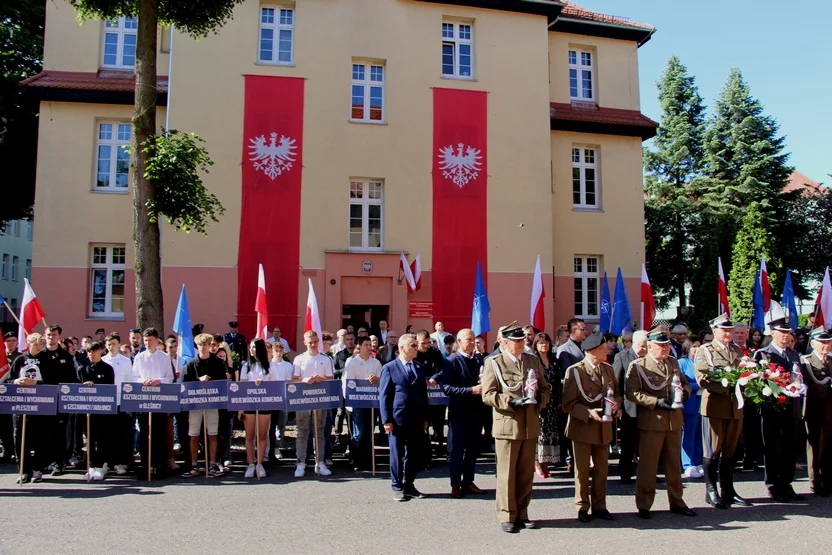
<point>692,427</point>
<point>548,450</point>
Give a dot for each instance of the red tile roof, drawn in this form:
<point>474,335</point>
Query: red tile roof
<point>573,11</point>
<point>104,80</point>
<point>593,114</point>
<point>809,186</point>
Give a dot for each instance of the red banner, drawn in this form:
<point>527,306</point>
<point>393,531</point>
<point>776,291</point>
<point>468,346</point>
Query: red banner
<point>460,178</point>
<point>270,220</point>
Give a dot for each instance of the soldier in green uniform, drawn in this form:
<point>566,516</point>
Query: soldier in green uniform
<point>585,392</point>
<point>506,386</point>
<point>650,386</point>
<point>722,413</point>
<point>817,411</point>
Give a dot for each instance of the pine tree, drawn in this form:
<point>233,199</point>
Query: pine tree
<point>752,242</point>
<point>671,212</point>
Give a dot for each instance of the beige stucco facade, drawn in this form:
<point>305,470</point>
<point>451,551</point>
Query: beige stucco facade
<point>518,60</point>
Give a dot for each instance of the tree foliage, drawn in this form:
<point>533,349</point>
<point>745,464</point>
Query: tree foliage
<point>753,241</point>
<point>174,163</point>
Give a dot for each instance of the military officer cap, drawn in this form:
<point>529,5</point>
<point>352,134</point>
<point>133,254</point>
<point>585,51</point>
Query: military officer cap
<point>233,324</point>
<point>9,335</point>
<point>722,321</point>
<point>513,331</point>
<point>99,330</point>
<point>593,342</point>
<point>820,334</point>
<point>658,335</point>
<point>777,319</point>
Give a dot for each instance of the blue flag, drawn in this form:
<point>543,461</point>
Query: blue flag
<point>182,327</point>
<point>480,321</point>
<point>788,301</point>
<point>606,306</point>
<point>758,317</point>
<point>621,319</point>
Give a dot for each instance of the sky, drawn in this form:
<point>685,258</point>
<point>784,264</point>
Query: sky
<point>784,50</point>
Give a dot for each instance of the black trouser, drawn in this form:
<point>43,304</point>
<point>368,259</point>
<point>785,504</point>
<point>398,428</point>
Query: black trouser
<point>466,437</point>
<point>123,427</point>
<point>184,440</point>
<point>59,439</point>
<point>101,442</point>
<point>159,450</point>
<point>436,415</point>
<point>76,425</point>
<point>779,446</point>
<point>7,436</point>
<point>629,442</point>
<point>340,417</point>
<point>36,440</point>
<point>752,439</point>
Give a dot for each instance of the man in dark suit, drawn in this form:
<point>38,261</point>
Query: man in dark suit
<point>390,350</point>
<point>466,413</point>
<point>433,364</point>
<point>568,354</point>
<point>780,427</point>
<point>236,341</point>
<point>629,419</point>
<point>403,402</point>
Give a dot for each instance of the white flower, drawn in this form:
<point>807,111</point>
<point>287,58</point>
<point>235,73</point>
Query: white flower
<point>767,391</point>
<point>727,369</point>
<point>743,382</point>
<point>724,382</point>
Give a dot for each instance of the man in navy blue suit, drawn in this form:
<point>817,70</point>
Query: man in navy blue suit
<point>403,400</point>
<point>467,413</point>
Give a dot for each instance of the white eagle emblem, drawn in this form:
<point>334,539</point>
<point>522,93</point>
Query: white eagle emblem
<point>273,157</point>
<point>461,166</point>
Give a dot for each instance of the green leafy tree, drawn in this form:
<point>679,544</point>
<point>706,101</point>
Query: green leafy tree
<point>21,56</point>
<point>752,242</point>
<point>715,240</point>
<point>672,212</point>
<point>196,19</point>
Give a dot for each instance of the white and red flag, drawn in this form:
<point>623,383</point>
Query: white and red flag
<point>31,313</point>
<point>416,272</point>
<point>537,316</point>
<point>408,274</point>
<point>261,307</point>
<point>648,302</point>
<point>764,286</point>
<point>313,317</point>
<point>823,304</point>
<point>723,292</point>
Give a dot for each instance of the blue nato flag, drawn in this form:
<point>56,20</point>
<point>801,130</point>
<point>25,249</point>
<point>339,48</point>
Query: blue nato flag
<point>621,318</point>
<point>182,327</point>
<point>606,306</point>
<point>480,320</point>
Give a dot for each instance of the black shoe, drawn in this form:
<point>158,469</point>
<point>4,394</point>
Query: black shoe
<point>57,470</point>
<point>24,479</point>
<point>796,497</point>
<point>411,491</point>
<point>644,513</point>
<point>508,527</point>
<point>583,516</point>
<point>777,495</point>
<point>525,523</point>
<point>713,499</point>
<point>603,514</point>
<point>684,511</point>
<point>820,492</point>
<point>735,499</point>
<point>750,466</point>
<point>626,481</point>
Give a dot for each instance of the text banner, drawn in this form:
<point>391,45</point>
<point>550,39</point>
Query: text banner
<point>313,396</point>
<point>76,398</point>
<point>136,397</point>
<point>361,394</point>
<point>250,396</point>
<point>436,396</point>
<point>203,395</point>
<point>28,399</point>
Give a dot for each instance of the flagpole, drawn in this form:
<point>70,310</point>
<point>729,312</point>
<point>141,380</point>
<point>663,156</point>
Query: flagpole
<point>22,451</point>
<point>16,319</point>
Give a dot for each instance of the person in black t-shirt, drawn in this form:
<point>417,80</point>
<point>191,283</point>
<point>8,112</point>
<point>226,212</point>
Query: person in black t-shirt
<point>57,367</point>
<point>26,370</point>
<point>101,437</point>
<point>434,363</point>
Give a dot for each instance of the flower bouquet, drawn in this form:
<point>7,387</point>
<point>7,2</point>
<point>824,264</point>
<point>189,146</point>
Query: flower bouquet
<point>769,385</point>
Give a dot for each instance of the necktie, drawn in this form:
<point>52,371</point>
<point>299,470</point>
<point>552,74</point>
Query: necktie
<point>410,372</point>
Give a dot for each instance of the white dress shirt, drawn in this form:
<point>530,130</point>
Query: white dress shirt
<point>153,366</point>
<point>122,370</point>
<point>307,366</point>
<point>359,369</point>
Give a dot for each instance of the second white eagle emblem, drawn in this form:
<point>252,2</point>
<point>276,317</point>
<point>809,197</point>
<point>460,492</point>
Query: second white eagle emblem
<point>461,165</point>
<point>272,157</point>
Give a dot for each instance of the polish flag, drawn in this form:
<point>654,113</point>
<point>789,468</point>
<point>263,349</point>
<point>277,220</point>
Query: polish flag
<point>313,317</point>
<point>408,274</point>
<point>723,292</point>
<point>30,314</point>
<point>765,285</point>
<point>648,303</point>
<point>536,314</point>
<point>261,307</point>
<point>823,303</point>
<point>416,271</point>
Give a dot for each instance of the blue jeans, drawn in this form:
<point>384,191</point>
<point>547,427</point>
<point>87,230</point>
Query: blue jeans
<point>327,438</point>
<point>361,445</point>
<point>692,441</point>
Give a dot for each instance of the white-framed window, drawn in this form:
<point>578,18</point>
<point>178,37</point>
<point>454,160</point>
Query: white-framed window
<point>28,270</point>
<point>457,50</point>
<point>29,231</point>
<point>587,279</point>
<point>112,157</point>
<point>16,228</point>
<point>107,280</point>
<point>581,79</point>
<point>366,214</point>
<point>15,268</point>
<point>4,271</point>
<point>7,228</point>
<point>367,92</point>
<point>277,35</point>
<point>584,177</point>
<point>119,48</point>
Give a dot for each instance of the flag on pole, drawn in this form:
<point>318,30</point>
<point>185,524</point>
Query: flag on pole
<point>313,317</point>
<point>606,306</point>
<point>824,302</point>
<point>182,328</point>
<point>723,292</point>
<point>537,315</point>
<point>416,272</point>
<point>261,307</point>
<point>765,288</point>
<point>788,300</point>
<point>408,274</point>
<point>648,302</point>
<point>4,360</point>
<point>480,320</point>
<point>30,314</point>
<point>621,318</point>
<point>758,316</point>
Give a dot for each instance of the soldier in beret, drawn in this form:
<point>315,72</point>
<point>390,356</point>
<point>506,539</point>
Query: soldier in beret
<point>650,386</point>
<point>584,392</point>
<point>817,411</point>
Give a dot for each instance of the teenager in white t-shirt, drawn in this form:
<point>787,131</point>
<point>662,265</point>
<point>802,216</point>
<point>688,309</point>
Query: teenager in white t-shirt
<point>311,367</point>
<point>283,371</point>
<point>361,367</point>
<point>256,370</point>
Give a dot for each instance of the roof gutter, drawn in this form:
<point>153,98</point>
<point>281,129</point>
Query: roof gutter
<point>648,32</point>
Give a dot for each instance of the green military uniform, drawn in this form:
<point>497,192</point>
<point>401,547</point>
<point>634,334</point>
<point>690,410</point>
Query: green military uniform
<point>515,429</point>
<point>649,384</point>
<point>817,414</point>
<point>584,389</point>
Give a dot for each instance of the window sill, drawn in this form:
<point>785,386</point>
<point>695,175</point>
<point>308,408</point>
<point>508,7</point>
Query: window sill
<point>368,122</point>
<point>105,318</point>
<point>583,102</point>
<point>366,251</point>
<point>125,69</point>
<point>587,209</point>
<point>110,191</point>
<point>275,64</point>
<point>458,78</point>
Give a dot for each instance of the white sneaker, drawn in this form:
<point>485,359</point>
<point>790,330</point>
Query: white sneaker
<point>300,470</point>
<point>121,469</point>
<point>105,469</point>
<point>250,471</point>
<point>88,475</point>
<point>692,472</point>
<point>261,472</point>
<point>277,454</point>
<point>701,470</point>
<point>322,470</point>
<point>97,474</point>
<point>37,476</point>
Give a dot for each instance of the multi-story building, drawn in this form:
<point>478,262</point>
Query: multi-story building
<point>364,163</point>
<point>15,264</point>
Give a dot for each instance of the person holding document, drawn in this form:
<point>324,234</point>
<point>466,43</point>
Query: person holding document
<point>100,441</point>
<point>311,367</point>
<point>152,367</point>
<point>26,371</point>
<point>256,370</point>
<point>362,367</point>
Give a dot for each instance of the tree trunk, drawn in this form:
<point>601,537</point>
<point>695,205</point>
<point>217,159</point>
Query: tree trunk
<point>149,311</point>
<point>680,256</point>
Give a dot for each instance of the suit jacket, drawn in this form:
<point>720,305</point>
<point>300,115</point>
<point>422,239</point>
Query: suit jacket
<point>403,399</point>
<point>386,353</point>
<point>510,423</point>
<point>457,382</point>
<point>340,362</point>
<point>718,401</point>
<point>620,364</point>
<point>817,408</point>
<point>675,349</point>
<point>650,417</point>
<point>568,354</point>
<point>594,381</point>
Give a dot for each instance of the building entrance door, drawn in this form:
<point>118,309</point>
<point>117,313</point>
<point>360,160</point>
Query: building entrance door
<point>366,315</point>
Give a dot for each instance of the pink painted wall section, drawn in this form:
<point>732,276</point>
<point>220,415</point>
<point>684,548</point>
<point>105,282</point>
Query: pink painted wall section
<point>212,298</point>
<point>564,298</point>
